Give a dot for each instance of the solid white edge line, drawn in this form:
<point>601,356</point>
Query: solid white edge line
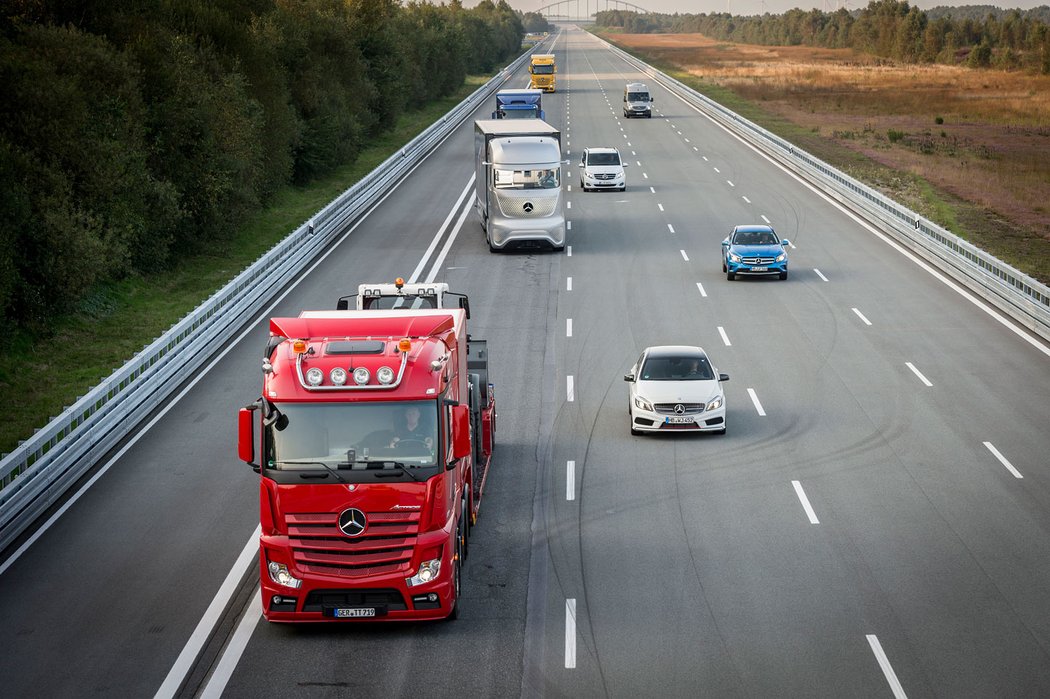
<point>887,669</point>
<point>570,391</point>
<point>861,316</point>
<point>200,635</point>
<point>725,338</point>
<point>701,288</point>
<point>918,373</point>
<point>820,274</point>
<point>754,399</point>
<point>951,284</point>
<point>568,327</point>
<point>570,480</point>
<point>684,256</point>
<point>1003,460</point>
<point>570,633</point>
<point>433,244</point>
<point>231,655</point>
<point>805,502</point>
<point>448,243</point>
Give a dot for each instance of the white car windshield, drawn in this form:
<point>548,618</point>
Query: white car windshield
<point>549,178</point>
<point>682,368</point>
<point>603,159</point>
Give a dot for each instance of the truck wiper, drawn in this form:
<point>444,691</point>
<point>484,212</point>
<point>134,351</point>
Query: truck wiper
<point>396,464</point>
<point>322,464</point>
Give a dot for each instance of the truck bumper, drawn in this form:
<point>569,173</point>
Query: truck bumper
<point>551,230</point>
<point>376,598</point>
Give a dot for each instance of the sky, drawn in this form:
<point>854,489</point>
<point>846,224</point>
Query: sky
<point>752,7</point>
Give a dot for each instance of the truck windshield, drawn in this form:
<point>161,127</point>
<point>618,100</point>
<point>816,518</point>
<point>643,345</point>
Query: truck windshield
<point>310,436</point>
<point>542,70</point>
<point>637,96</point>
<point>519,112</point>
<point>549,178</point>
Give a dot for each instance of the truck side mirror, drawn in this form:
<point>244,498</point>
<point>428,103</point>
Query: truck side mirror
<point>246,435</point>
<point>460,431</point>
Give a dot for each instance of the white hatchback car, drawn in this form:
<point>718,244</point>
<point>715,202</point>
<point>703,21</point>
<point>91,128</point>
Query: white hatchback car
<point>602,168</point>
<point>675,388</point>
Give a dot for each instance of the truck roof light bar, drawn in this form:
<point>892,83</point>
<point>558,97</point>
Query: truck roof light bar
<point>346,387</point>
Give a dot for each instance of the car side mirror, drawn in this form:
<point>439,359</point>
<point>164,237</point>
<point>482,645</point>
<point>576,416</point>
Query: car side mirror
<point>652,99</point>
<point>582,164</point>
<point>785,242</point>
<point>628,377</point>
<point>723,377</point>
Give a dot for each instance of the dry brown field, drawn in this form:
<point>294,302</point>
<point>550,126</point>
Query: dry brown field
<point>982,136</point>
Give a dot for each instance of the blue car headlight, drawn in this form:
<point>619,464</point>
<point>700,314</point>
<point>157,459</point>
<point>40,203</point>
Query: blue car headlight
<point>781,257</point>
<point>733,256</point>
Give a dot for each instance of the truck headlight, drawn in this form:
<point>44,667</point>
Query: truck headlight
<point>428,572</point>
<point>337,376</point>
<point>716,403</point>
<point>385,375</point>
<point>642,404</point>
<point>279,574</point>
<point>734,257</point>
<point>361,376</point>
<point>314,376</point>
<point>781,257</point>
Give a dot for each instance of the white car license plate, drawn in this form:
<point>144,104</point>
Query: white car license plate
<point>760,269</point>
<point>350,613</point>
<point>679,420</point>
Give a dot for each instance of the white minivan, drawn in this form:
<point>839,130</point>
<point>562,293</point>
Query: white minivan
<point>602,168</point>
<point>637,102</point>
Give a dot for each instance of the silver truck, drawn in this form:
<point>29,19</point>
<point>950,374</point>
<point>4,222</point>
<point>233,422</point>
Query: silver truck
<point>518,167</point>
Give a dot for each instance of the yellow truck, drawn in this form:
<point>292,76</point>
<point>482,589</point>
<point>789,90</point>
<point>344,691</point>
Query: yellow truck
<point>542,70</point>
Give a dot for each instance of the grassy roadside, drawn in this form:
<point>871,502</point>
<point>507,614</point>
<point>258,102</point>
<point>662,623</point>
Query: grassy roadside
<point>39,377</point>
<point>1018,245</point>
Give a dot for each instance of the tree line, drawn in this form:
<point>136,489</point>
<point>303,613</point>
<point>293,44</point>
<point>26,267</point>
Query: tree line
<point>134,133</point>
<point>887,28</point>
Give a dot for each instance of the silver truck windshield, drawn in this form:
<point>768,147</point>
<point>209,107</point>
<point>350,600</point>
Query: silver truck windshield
<point>549,178</point>
<point>352,435</point>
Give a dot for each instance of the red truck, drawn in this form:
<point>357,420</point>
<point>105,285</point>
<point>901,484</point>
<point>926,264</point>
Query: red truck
<point>374,434</point>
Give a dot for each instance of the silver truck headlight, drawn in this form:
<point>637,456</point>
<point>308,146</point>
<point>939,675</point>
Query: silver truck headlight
<point>428,572</point>
<point>280,574</point>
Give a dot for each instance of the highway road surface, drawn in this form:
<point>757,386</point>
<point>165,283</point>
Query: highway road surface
<point>875,523</point>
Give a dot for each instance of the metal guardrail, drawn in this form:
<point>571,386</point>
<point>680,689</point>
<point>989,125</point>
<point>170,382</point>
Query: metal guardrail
<point>36,474</point>
<point>1024,299</point>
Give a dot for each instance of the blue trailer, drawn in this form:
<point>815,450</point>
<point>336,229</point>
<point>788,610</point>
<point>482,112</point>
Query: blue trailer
<point>519,104</point>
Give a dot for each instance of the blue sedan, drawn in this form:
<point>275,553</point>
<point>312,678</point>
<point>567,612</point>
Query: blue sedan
<point>754,250</point>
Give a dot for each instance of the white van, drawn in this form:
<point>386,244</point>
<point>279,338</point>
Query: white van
<point>637,102</point>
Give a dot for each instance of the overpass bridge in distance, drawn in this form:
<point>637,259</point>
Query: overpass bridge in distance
<point>581,10</point>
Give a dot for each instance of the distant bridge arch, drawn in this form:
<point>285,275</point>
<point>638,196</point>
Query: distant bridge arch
<point>581,10</point>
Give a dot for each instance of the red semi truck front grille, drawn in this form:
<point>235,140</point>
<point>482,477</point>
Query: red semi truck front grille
<point>385,546</point>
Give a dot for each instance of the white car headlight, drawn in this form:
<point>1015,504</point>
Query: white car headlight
<point>642,404</point>
<point>734,257</point>
<point>428,572</point>
<point>716,403</point>
<point>781,257</point>
<point>279,574</point>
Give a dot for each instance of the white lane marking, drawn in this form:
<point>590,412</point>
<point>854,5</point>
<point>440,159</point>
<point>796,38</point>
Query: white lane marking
<point>448,243</point>
<point>791,245</point>
<point>568,188</point>
<point>672,126</point>
<point>661,207</point>
<point>570,480</point>
<point>679,132</point>
<point>861,316</point>
<point>570,390</point>
<point>639,162</point>
<point>918,373</point>
<point>628,143</point>
<point>1002,460</point>
<point>670,227</point>
<point>718,171</point>
<point>232,654</point>
<point>731,183</point>
<point>697,149</point>
<point>725,338</point>
<point>645,175</point>
<point>568,327</point>
<point>805,503</point>
<point>625,138</point>
<point>887,669</point>
<point>568,251</point>
<point>764,218</point>
<point>433,243</point>
<point>687,140</point>
<point>701,288</point>
<point>204,628</point>
<point>653,190</point>
<point>704,157</point>
<point>745,199</point>
<point>568,225</point>
<point>684,256</point>
<point>570,633</point>
<point>568,205</point>
<point>633,153</point>
<point>568,283</point>
<point>820,274</point>
<point>754,399</point>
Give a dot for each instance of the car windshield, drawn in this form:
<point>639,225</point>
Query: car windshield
<point>603,159</point>
<point>527,179</point>
<point>755,238</point>
<point>680,368</point>
<point>351,435</point>
<point>542,70</point>
<point>637,96</point>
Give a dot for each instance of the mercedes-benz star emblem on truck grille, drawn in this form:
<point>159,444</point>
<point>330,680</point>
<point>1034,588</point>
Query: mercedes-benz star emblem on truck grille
<point>528,207</point>
<point>352,522</point>
<point>679,409</point>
